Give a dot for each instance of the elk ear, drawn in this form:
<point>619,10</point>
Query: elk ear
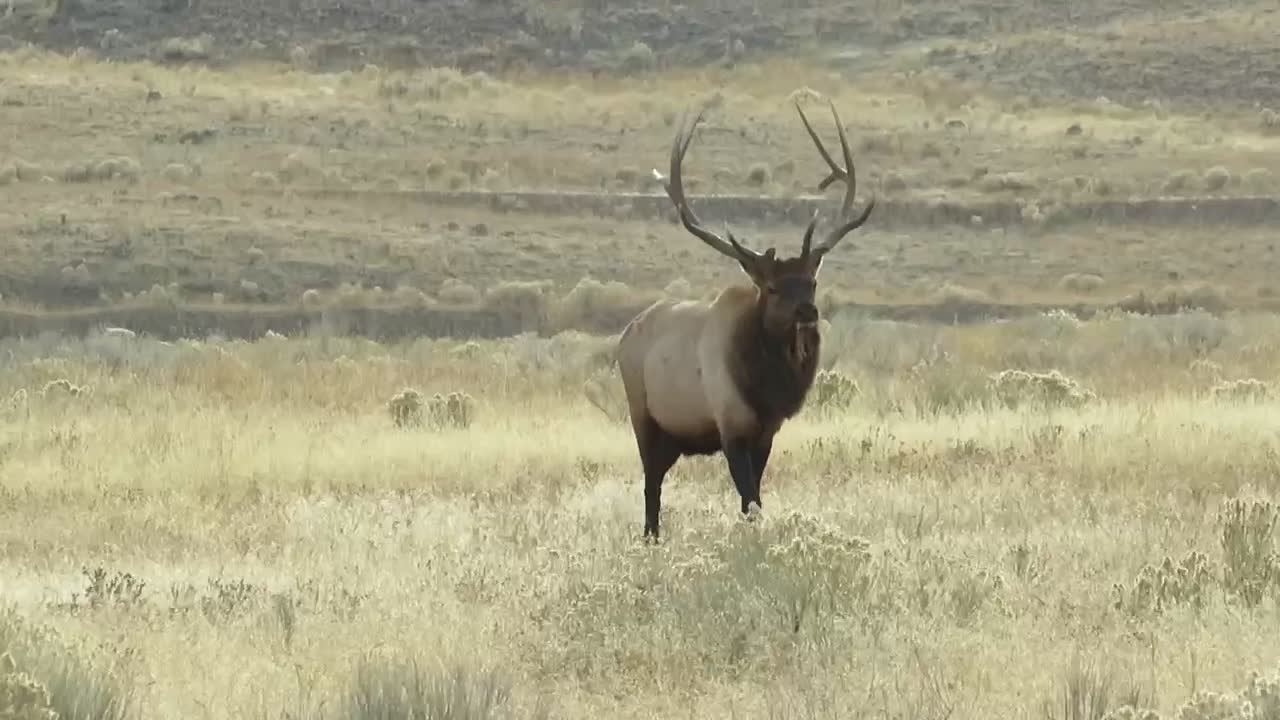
<point>760,272</point>
<point>753,265</point>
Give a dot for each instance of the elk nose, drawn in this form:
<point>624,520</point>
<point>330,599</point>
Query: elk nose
<point>806,313</point>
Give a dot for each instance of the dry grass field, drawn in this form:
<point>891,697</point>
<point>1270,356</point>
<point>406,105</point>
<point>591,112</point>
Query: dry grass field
<point>365,455</point>
<point>245,529</point>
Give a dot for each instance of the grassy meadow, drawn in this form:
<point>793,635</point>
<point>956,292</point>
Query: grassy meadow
<point>252,509</point>
<point>270,529</point>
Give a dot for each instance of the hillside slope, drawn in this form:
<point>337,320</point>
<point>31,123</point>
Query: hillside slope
<point>1131,51</point>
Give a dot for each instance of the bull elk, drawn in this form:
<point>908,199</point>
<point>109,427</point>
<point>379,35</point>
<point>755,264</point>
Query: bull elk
<point>723,375</point>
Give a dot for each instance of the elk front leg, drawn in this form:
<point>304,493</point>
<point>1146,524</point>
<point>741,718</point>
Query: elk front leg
<point>740,453</point>
<point>759,460</point>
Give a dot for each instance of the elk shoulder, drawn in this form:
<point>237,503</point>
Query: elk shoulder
<point>678,354</point>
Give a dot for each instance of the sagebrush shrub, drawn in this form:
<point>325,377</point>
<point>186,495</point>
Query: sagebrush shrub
<point>63,386</point>
<point>1158,587</point>
<point>405,408</point>
<point>1260,700</point>
<point>1129,712</point>
<point>22,697</point>
<point>1050,389</point>
<point>1207,705</point>
<point>408,408</point>
<point>833,390</point>
<point>724,598</point>
<point>457,409</point>
<point>40,680</point>
<point>118,589</point>
<point>1263,693</point>
<point>1250,566</point>
<point>1243,390</point>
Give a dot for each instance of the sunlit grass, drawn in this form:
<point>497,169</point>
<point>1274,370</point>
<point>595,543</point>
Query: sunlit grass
<point>926,548</point>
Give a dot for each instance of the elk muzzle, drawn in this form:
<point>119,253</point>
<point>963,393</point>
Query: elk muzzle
<point>805,343</point>
<point>806,316</point>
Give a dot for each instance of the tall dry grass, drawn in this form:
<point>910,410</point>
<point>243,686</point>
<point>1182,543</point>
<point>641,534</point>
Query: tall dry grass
<point>245,530</point>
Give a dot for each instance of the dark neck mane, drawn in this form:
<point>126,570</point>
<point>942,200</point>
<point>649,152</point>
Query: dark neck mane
<point>765,368</point>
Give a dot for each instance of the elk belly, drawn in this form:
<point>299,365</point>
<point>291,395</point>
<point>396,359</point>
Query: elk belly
<point>676,401</point>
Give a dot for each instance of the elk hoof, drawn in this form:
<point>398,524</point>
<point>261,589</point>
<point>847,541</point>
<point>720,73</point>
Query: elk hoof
<point>753,510</point>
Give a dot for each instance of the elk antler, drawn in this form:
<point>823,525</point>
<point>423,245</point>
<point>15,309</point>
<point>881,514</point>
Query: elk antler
<point>845,222</point>
<point>675,190</point>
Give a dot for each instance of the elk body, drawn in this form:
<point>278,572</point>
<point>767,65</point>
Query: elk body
<point>703,377</point>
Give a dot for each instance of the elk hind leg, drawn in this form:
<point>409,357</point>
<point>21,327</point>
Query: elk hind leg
<point>658,452</point>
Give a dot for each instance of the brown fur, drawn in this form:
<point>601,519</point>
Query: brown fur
<point>773,377</point>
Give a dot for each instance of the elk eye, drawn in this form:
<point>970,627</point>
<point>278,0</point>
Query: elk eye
<point>771,290</point>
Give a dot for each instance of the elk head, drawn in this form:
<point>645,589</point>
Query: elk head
<point>787,286</point>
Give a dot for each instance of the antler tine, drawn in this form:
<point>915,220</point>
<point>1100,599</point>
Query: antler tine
<point>836,234</point>
<point>674,186</point>
<point>836,171</point>
<point>808,236</point>
<point>848,174</point>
